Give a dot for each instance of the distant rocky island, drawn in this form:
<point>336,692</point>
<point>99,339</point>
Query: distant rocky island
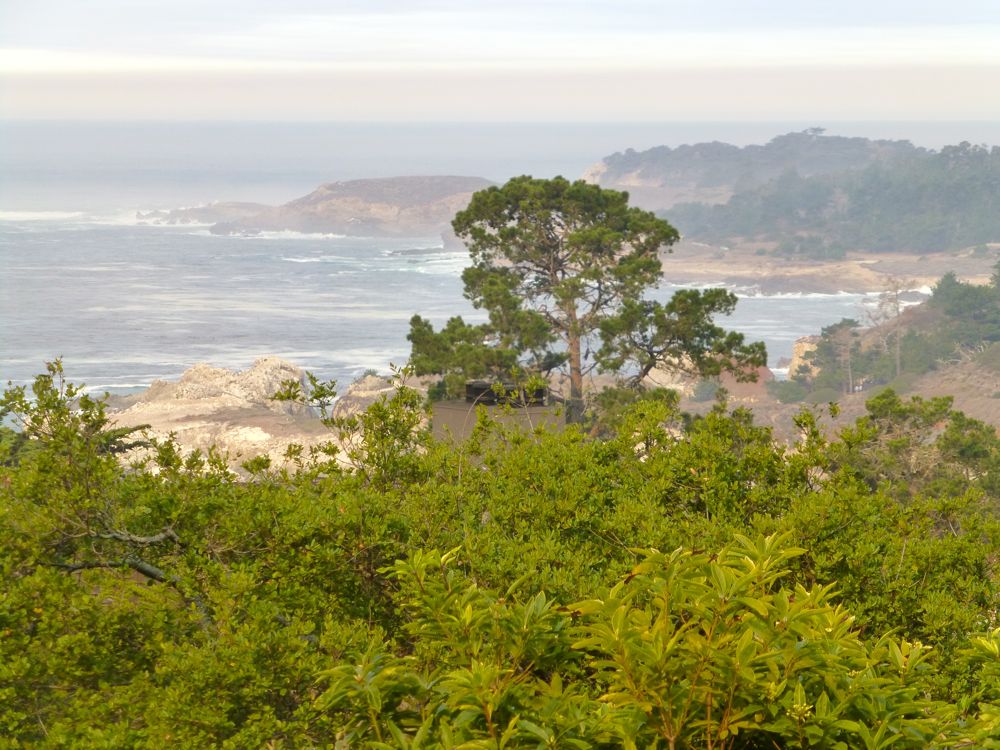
<point>387,207</point>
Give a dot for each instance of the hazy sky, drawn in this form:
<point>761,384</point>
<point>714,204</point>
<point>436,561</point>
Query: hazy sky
<point>519,60</point>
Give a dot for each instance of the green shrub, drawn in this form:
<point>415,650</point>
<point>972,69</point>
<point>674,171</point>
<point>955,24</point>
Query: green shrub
<point>904,382</point>
<point>128,593</point>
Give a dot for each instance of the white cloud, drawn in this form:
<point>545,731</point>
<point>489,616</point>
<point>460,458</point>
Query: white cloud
<point>372,43</point>
<point>412,52</point>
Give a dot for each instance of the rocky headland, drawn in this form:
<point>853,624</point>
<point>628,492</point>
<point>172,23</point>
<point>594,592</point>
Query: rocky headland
<point>387,207</point>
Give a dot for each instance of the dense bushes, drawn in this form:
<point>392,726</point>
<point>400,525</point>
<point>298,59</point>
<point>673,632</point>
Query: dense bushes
<point>168,602</point>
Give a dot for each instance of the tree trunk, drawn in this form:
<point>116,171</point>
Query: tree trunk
<point>574,347</point>
<point>574,406</point>
<point>899,335</point>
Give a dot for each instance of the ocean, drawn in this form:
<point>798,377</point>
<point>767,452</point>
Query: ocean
<point>124,304</point>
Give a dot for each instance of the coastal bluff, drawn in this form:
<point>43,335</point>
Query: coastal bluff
<point>412,206</point>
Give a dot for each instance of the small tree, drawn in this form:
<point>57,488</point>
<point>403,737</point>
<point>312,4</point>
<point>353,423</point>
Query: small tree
<point>887,317</point>
<point>835,356</point>
<point>561,268</point>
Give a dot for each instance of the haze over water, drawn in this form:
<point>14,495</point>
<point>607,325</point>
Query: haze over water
<point>105,166</point>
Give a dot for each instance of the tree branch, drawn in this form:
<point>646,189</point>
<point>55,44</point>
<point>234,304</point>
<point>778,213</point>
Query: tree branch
<point>146,569</point>
<point>125,536</point>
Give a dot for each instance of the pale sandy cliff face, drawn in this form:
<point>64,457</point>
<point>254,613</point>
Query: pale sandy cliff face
<point>800,349</point>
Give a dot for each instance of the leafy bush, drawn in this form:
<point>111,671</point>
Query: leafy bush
<point>690,650</point>
<point>131,591</point>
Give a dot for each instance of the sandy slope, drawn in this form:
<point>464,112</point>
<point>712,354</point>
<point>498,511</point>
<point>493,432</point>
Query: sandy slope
<point>754,266</point>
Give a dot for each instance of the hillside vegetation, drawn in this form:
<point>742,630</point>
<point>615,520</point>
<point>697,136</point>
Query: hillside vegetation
<point>681,583</point>
<point>819,195</point>
<point>716,164</point>
<point>959,323</point>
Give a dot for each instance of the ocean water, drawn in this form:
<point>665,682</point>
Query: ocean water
<point>125,304</point>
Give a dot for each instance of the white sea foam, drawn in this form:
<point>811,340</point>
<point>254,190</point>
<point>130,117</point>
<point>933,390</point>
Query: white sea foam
<point>287,234</point>
<point>125,218</point>
<point>753,292</point>
<point>102,387</point>
<point>700,285</point>
<point>121,218</point>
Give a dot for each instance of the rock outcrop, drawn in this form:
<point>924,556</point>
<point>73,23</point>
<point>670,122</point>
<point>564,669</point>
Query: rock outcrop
<point>361,394</point>
<point>232,411</point>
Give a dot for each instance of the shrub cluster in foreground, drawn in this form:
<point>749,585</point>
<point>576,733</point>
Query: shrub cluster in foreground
<point>677,584</point>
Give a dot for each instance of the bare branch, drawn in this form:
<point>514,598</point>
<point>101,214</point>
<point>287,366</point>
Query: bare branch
<point>125,536</point>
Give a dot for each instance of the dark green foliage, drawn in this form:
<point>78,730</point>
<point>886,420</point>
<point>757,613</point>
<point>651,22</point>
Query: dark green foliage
<point>974,311</point>
<point>458,352</point>
<point>553,261</point>
<point>809,153</point>
<point>788,391</point>
<point>680,335</point>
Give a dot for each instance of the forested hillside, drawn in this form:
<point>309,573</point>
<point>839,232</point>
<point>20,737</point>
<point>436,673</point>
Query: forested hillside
<point>717,164</point>
<point>681,583</point>
<point>818,195</point>
<point>928,201</point>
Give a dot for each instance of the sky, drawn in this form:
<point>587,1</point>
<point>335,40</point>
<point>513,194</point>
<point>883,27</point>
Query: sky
<point>516,60</point>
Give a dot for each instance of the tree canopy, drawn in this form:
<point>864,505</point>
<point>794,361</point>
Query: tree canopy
<point>561,268</point>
